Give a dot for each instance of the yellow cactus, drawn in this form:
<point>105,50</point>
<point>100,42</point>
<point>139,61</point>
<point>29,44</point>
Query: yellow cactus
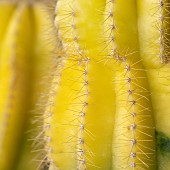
<point>108,93</point>
<point>25,33</point>
<point>107,104</point>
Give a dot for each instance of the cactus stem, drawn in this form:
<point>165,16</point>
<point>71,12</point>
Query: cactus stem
<point>132,110</point>
<point>134,121</point>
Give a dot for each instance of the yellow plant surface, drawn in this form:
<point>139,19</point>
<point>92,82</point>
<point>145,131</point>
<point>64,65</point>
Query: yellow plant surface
<point>25,52</point>
<point>102,115</point>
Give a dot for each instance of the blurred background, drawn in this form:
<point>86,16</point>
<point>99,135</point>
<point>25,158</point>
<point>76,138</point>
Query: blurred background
<point>28,45</point>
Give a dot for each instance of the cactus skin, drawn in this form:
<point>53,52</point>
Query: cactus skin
<point>24,54</point>
<point>133,134</point>
<point>5,13</point>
